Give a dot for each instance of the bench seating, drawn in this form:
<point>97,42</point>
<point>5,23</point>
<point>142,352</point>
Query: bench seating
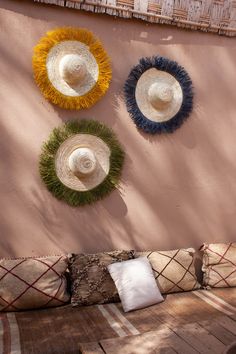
<point>202,321</point>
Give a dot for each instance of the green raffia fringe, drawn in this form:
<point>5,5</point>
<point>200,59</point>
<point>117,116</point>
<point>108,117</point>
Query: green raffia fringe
<point>47,162</point>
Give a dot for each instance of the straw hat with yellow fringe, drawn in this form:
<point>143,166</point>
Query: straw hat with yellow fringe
<point>81,162</point>
<point>71,68</point>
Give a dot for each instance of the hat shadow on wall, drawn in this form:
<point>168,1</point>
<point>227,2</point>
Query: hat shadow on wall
<point>91,224</point>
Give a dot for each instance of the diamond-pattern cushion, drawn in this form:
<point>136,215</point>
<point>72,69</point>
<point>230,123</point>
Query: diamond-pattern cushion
<point>28,283</point>
<point>91,281</point>
<point>174,270</point>
<point>219,265</point>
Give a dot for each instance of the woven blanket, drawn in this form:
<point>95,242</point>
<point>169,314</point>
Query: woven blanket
<point>202,320</point>
<point>217,16</point>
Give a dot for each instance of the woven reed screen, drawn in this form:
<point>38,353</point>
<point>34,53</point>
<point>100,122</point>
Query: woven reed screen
<point>217,16</point>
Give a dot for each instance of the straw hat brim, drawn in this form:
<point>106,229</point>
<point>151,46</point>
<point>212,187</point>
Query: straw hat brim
<point>53,60</point>
<point>59,94</point>
<point>53,164</point>
<point>148,78</point>
<point>140,111</point>
<point>101,152</point>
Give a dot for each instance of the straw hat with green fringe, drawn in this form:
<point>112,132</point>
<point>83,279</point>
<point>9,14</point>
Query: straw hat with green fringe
<point>71,68</point>
<point>81,162</point>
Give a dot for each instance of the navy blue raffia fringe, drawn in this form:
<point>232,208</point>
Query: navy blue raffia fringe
<point>173,68</point>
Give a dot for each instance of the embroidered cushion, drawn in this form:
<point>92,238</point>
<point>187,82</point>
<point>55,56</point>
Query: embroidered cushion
<point>219,264</point>
<point>135,283</point>
<point>29,283</point>
<point>174,270</point>
<point>91,281</point>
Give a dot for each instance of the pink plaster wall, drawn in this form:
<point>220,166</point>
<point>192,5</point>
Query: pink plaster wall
<point>178,190</point>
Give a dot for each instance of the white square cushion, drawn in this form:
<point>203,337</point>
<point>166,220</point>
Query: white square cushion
<point>135,283</point>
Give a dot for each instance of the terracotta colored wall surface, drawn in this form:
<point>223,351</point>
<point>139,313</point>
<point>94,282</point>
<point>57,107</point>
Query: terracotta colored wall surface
<point>178,190</point>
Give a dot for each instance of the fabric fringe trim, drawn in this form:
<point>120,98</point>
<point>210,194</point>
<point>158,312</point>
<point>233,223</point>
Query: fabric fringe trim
<point>209,16</point>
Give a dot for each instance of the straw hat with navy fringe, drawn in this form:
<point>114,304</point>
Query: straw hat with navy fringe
<point>158,95</point>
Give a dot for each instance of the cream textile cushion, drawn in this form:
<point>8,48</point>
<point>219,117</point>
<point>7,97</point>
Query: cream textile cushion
<point>174,270</point>
<point>219,264</point>
<point>135,283</point>
<point>36,282</point>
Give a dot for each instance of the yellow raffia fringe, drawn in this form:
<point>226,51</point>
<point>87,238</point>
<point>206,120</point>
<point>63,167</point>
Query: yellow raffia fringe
<point>41,51</point>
